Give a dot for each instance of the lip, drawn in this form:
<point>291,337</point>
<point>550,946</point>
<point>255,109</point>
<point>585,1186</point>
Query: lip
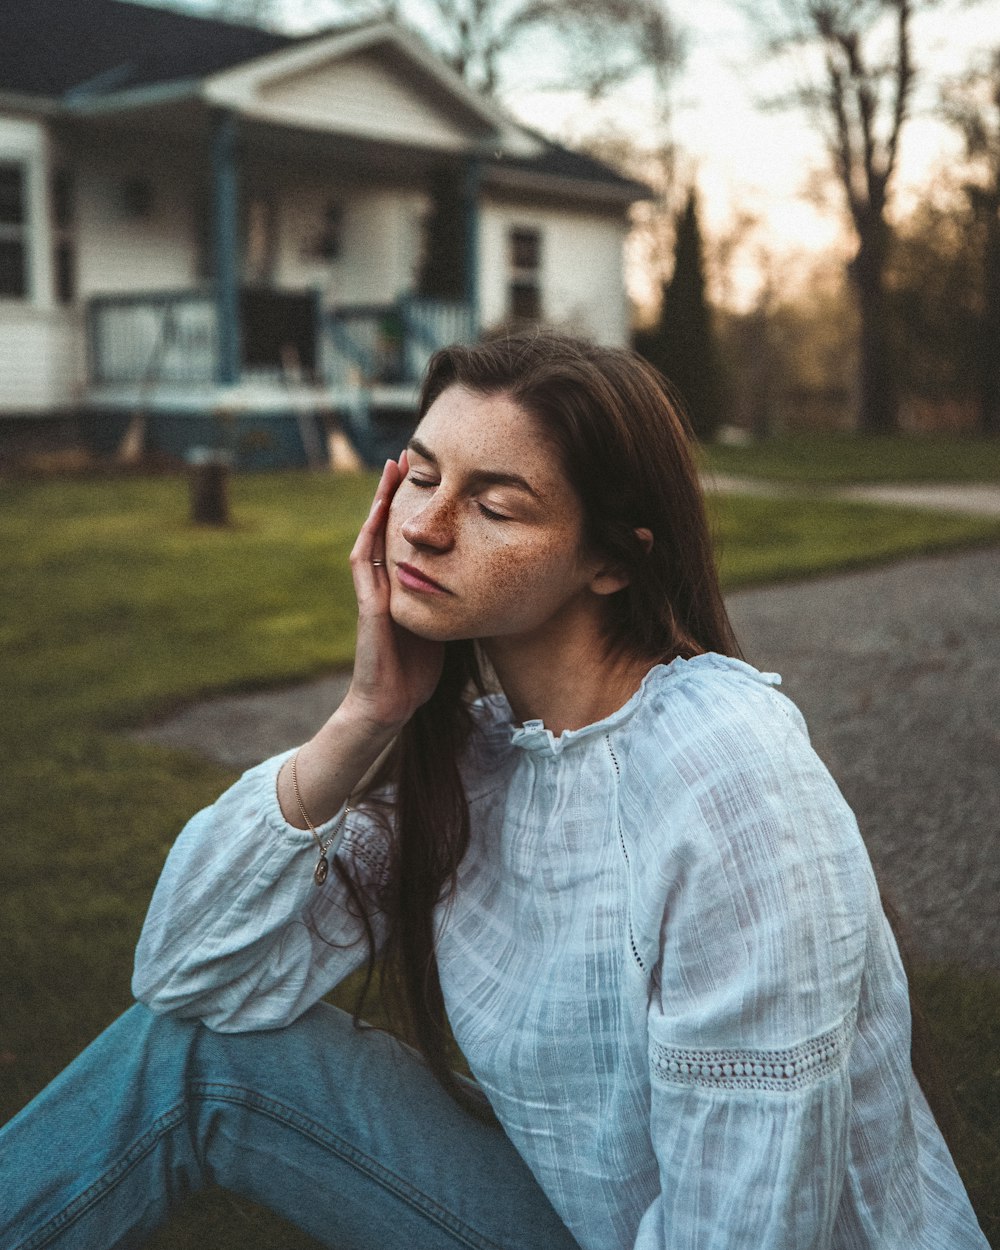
<point>413,579</point>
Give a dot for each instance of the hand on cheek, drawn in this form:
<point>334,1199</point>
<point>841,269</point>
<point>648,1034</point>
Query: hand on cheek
<point>402,467</point>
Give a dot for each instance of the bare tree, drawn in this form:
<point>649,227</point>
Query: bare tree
<point>857,86</point>
<point>599,43</point>
<point>972,104</point>
<point>657,162</point>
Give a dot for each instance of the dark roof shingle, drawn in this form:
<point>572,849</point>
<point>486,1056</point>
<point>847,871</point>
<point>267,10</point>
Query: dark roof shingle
<point>50,47</point>
<point>559,162</point>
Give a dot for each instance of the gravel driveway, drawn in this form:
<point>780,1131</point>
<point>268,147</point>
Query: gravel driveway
<point>897,670</point>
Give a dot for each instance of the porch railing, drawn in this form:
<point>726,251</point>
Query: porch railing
<point>385,344</point>
<point>170,338</point>
<point>432,324</point>
<point>163,337</point>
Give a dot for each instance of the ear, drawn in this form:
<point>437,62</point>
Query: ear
<point>611,578</point>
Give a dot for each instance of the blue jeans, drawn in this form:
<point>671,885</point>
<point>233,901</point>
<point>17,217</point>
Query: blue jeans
<point>343,1131</point>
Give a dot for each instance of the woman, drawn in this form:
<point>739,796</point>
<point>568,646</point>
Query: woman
<point>626,883</point>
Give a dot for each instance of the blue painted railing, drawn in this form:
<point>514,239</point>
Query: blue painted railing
<point>172,337</point>
<point>431,324</point>
<point>387,344</point>
<point>153,338</point>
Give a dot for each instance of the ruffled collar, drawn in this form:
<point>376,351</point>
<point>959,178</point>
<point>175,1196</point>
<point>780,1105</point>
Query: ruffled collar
<point>533,735</point>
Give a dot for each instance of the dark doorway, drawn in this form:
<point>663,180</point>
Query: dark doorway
<point>279,329</point>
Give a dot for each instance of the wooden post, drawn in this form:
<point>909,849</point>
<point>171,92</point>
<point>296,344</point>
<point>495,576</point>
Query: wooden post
<point>209,482</point>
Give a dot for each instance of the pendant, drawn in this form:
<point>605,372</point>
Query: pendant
<point>321,870</point>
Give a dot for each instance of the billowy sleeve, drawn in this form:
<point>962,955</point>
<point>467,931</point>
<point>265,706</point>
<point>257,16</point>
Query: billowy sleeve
<point>238,934</point>
<point>769,901</point>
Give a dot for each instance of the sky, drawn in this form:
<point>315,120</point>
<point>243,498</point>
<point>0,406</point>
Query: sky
<point>746,159</point>
<point>749,159</point>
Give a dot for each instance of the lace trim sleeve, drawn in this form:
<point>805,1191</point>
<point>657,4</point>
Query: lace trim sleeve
<point>367,845</point>
<point>782,1071</point>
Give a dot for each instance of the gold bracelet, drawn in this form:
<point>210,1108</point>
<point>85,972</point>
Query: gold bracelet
<point>322,868</point>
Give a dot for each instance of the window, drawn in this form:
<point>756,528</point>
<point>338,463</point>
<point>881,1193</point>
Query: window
<point>524,249</point>
<point>259,236</point>
<point>524,290</point>
<point>329,240</point>
<point>137,199</point>
<point>13,231</point>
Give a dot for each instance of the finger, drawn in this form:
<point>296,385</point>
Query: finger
<point>392,478</point>
<point>376,514</point>
<point>370,543</point>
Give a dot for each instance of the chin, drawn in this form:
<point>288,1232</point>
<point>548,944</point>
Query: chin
<point>421,622</point>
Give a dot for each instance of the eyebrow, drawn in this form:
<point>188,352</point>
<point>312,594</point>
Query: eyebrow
<point>480,477</point>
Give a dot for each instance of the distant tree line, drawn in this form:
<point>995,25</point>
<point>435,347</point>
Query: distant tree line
<point>923,327</point>
<point>683,343</point>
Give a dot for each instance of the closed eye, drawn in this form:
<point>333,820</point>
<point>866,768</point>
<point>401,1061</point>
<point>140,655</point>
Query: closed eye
<point>428,482</point>
<point>494,516</point>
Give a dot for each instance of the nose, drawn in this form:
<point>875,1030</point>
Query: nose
<point>433,525</point>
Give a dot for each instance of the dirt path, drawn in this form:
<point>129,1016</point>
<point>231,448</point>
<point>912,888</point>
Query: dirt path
<point>897,670</point>
<point>970,498</point>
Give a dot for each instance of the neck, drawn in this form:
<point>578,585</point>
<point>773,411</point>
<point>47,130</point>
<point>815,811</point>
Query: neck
<point>566,686</point>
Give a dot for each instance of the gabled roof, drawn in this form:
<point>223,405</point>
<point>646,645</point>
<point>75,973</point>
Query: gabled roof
<point>54,47</point>
<point>555,164</point>
<point>393,45</point>
<point>108,52</point>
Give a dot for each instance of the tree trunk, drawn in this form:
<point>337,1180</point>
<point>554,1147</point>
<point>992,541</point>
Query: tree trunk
<point>989,334</point>
<point>878,409</point>
<point>759,366</point>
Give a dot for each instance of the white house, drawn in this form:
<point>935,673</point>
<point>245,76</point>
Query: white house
<point>199,218</point>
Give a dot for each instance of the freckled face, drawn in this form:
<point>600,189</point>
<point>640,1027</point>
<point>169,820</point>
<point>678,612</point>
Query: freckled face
<point>483,538</point>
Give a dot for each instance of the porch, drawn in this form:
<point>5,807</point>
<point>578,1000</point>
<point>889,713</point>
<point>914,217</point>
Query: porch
<point>299,371</point>
<point>327,282</point>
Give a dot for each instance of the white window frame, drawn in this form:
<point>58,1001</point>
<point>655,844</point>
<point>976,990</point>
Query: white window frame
<point>520,275</point>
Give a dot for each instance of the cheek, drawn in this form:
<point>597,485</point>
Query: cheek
<point>519,579</point>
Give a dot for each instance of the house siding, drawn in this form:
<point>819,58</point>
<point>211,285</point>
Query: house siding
<point>42,365</point>
<point>581,271</point>
<point>359,96</point>
<point>119,251</point>
<point>382,223</point>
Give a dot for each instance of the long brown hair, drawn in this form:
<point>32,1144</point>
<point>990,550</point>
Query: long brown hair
<point>625,447</point>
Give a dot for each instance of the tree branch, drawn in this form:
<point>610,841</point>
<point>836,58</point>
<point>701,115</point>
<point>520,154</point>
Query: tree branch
<point>903,82</point>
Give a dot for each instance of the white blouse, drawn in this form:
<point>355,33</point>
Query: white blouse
<point>666,963</point>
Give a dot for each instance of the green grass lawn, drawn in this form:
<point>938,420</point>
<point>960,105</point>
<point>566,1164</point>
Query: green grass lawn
<point>836,459</point>
<point>116,609</point>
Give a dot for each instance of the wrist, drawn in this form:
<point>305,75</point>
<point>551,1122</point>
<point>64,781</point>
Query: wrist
<point>359,719</point>
<point>334,764</point>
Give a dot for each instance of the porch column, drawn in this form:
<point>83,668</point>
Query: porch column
<point>473,179</point>
<point>225,246</point>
